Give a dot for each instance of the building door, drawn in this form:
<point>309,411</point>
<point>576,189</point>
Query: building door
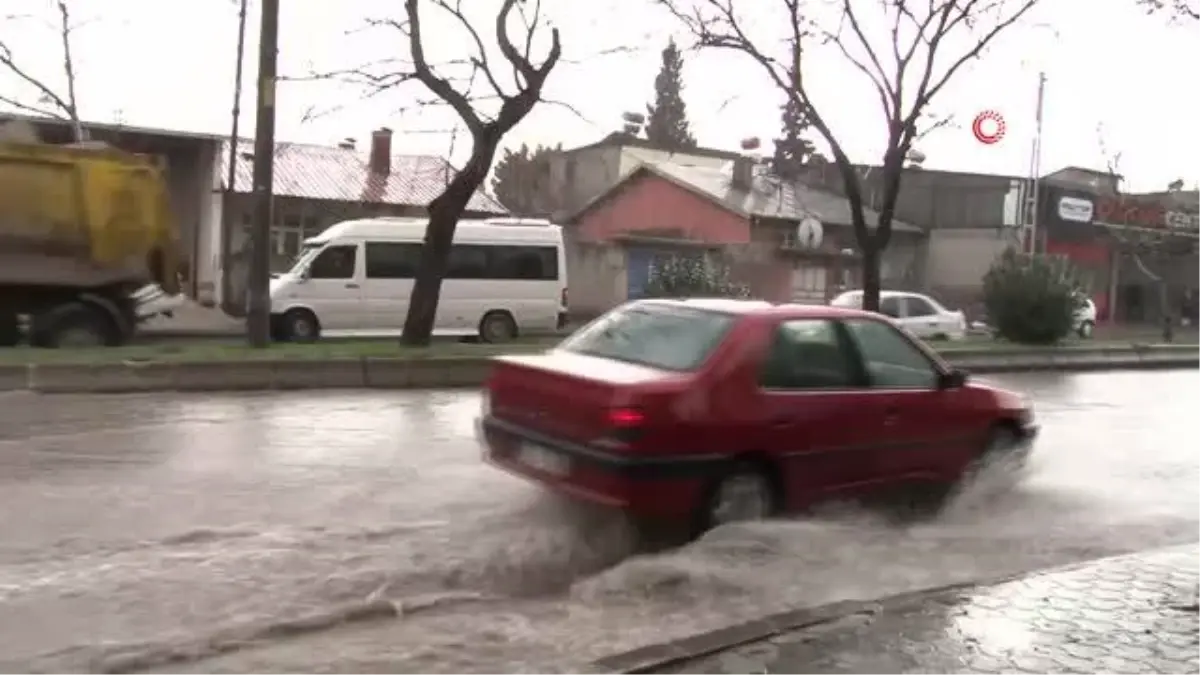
<point>637,267</point>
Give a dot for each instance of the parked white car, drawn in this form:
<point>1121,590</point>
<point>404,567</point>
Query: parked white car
<point>919,314</point>
<point>1085,318</point>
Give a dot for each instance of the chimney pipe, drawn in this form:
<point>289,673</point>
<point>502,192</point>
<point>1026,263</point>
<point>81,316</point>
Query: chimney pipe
<point>743,173</point>
<point>381,151</point>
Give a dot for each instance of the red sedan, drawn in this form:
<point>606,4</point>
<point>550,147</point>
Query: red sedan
<point>722,410</point>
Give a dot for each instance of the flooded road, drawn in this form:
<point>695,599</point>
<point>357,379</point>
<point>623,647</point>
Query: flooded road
<point>147,527</point>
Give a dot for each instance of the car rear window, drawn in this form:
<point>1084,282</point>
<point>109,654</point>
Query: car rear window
<point>670,338</point>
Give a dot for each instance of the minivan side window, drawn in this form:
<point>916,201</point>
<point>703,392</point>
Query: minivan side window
<point>808,354</point>
<point>392,260</point>
<point>334,262</point>
<point>891,359</point>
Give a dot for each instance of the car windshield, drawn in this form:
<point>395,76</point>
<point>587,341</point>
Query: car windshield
<point>662,336</point>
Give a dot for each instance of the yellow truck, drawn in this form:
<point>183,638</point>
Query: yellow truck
<point>84,231</point>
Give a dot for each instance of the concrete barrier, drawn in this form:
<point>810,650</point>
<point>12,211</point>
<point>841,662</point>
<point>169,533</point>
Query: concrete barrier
<point>471,371</point>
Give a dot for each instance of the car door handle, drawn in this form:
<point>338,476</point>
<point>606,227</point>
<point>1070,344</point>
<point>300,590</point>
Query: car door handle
<point>351,285</point>
<point>782,422</point>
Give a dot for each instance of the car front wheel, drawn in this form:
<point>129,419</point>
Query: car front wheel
<point>1086,329</point>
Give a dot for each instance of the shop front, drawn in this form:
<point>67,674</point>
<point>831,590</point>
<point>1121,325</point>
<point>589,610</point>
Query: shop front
<point>1130,248</point>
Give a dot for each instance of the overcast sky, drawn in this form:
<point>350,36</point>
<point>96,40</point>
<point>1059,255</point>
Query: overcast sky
<point>169,63</point>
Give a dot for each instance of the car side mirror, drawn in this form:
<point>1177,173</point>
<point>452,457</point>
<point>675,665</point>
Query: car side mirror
<point>952,379</point>
<point>305,274</point>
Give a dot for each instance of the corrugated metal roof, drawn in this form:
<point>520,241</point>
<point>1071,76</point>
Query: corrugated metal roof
<point>771,197</point>
<point>342,174</point>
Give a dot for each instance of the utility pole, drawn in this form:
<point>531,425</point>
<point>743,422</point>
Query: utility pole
<point>258,319</point>
<point>1035,165</point>
<point>228,303</point>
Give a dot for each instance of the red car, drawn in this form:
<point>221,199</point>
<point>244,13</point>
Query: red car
<point>721,410</point>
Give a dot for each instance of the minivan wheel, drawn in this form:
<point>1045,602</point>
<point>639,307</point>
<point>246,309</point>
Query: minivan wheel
<point>1086,329</point>
<point>743,494</point>
<point>300,325</point>
<point>497,326</point>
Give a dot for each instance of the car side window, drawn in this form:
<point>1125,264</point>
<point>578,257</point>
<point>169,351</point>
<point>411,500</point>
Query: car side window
<point>808,354</point>
<point>891,359</point>
<point>918,306</point>
<point>890,306</point>
<point>335,262</point>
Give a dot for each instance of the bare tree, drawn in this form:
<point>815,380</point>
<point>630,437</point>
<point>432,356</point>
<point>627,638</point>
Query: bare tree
<point>907,65</point>
<point>50,103</point>
<point>1178,10</point>
<point>453,83</point>
<point>1150,249</point>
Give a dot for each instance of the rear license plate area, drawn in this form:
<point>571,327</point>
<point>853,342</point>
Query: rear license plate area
<point>542,459</point>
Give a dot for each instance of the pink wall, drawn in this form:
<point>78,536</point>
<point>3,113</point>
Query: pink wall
<point>652,203</point>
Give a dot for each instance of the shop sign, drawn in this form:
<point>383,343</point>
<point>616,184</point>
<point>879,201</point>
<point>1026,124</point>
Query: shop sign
<point>1115,211</point>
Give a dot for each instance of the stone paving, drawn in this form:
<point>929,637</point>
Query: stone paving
<point>1129,614</point>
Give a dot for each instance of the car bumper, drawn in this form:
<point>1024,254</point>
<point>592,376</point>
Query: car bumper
<point>667,487</point>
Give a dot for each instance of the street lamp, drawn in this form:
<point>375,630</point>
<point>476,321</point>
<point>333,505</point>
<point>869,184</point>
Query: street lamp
<point>1035,155</point>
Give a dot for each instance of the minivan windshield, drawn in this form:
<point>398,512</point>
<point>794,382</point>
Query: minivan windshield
<point>306,255</point>
<point>661,336</point>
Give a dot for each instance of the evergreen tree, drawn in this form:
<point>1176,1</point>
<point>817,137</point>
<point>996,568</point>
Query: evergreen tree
<point>521,180</point>
<point>666,119</point>
<point>793,152</point>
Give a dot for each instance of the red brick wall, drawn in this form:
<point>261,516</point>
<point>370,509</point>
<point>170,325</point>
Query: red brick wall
<point>650,204</point>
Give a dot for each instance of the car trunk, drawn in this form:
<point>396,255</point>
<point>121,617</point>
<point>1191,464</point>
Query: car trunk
<point>566,394</point>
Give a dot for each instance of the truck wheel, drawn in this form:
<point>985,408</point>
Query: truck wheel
<point>74,325</point>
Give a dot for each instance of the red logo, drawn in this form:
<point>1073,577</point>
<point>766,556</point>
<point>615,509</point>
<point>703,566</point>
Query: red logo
<point>988,127</point>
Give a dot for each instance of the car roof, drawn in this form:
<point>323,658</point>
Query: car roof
<point>763,308</point>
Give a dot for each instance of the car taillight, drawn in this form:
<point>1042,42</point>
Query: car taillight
<point>564,297</point>
<point>625,418</point>
<point>625,425</point>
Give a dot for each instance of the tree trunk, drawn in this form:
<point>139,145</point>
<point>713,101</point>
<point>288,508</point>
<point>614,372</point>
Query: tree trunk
<point>871,281</point>
<point>435,257</point>
<point>444,213</point>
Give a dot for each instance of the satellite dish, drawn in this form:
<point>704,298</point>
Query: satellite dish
<point>809,233</point>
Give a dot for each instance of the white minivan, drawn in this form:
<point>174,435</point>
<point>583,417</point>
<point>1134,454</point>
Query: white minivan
<point>506,277</point>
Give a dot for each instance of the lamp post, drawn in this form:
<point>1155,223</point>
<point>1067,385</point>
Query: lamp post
<point>1035,155</point>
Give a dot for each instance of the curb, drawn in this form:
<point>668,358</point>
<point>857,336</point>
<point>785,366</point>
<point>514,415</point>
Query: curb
<point>654,657</point>
<point>472,371</point>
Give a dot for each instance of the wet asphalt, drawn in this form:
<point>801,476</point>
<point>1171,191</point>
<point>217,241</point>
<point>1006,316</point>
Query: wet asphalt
<point>142,528</point>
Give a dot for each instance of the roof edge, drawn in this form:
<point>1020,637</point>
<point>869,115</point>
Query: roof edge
<point>648,170</point>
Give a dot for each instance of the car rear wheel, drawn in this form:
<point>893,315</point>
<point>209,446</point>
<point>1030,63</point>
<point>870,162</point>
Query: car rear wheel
<point>743,494</point>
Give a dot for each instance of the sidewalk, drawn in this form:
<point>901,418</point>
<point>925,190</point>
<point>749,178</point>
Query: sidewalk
<point>1129,614</point>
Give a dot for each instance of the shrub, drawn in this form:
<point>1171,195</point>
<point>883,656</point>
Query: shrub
<point>1031,299</point>
<point>691,277</point>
